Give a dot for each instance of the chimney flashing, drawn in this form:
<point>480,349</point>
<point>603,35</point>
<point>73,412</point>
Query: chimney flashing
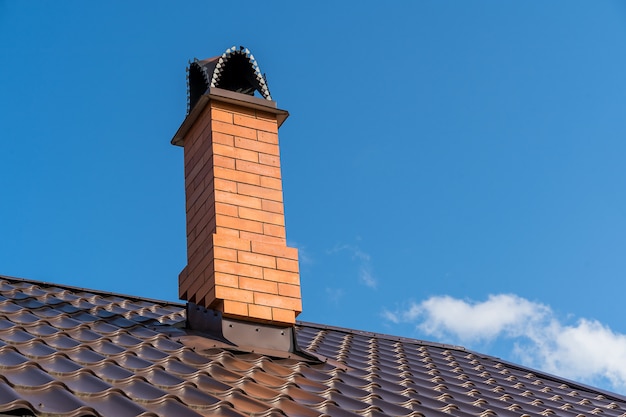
<point>230,97</point>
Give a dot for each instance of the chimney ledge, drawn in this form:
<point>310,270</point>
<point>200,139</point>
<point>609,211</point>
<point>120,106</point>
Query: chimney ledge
<point>230,97</point>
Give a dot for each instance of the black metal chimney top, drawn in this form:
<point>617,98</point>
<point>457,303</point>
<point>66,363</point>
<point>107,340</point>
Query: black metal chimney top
<point>235,70</point>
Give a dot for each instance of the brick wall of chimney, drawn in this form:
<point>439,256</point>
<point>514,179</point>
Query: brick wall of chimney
<point>238,261</point>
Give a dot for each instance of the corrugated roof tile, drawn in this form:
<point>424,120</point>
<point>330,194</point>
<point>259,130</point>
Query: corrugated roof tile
<point>80,352</point>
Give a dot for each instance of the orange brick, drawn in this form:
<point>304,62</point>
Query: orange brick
<point>274,230</point>
<point>224,150</point>
<point>227,280</point>
<point>237,223</point>
<point>225,231</point>
<point>225,185</point>
<point>235,268</point>
<point>237,153</point>
<point>227,209</point>
<point>256,259</point>
<point>267,137</point>
<point>225,254</point>
<point>278,301</point>
<point>260,312</point>
<point>221,115</point>
<point>271,160</point>
<point>283,316</point>
<point>225,162</point>
<point>280,251</point>
<point>273,206</point>
<point>263,238</point>
<point>235,294</point>
<point>246,155</point>
<point>223,139</point>
<point>261,192</point>
<point>273,183</point>
<point>259,285</point>
<point>238,199</point>
<point>289,290</point>
<point>281,276</point>
<point>255,145</point>
<point>255,168</point>
<point>287,265</point>
<point>236,308</point>
<point>237,176</point>
<point>254,123</point>
<point>231,242</point>
<point>230,129</point>
<point>261,216</point>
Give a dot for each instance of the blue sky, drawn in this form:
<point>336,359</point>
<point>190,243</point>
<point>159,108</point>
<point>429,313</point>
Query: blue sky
<point>453,171</point>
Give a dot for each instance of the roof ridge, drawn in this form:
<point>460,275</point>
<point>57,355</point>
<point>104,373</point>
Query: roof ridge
<point>94,291</point>
<point>385,336</point>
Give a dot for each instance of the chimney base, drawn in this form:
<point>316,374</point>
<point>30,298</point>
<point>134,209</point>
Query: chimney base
<point>243,334</point>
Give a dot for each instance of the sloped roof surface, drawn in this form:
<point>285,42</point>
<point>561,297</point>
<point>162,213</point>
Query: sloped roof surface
<point>72,352</point>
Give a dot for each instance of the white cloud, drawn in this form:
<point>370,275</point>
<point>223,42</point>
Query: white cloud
<point>366,277</point>
<point>478,321</point>
<point>587,350</point>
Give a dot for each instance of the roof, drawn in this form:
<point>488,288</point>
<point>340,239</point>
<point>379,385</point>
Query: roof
<point>75,352</point>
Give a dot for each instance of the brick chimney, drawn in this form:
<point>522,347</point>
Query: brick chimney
<point>238,261</point>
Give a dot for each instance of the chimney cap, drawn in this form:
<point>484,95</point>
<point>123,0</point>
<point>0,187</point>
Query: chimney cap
<point>235,70</point>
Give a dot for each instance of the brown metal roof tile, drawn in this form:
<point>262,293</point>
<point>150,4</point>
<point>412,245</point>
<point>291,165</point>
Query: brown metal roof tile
<point>111,372</point>
<point>62,342</point>
<point>106,347</point>
<point>35,349</point>
<point>113,402</point>
<point>10,358</point>
<point>11,401</point>
<point>131,362</point>
<point>27,376</point>
<point>84,382</point>
<point>9,307</point>
<point>16,335</point>
<point>244,403</point>
<point>59,364</point>
<point>108,354</point>
<point>55,399</point>
<point>84,355</point>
